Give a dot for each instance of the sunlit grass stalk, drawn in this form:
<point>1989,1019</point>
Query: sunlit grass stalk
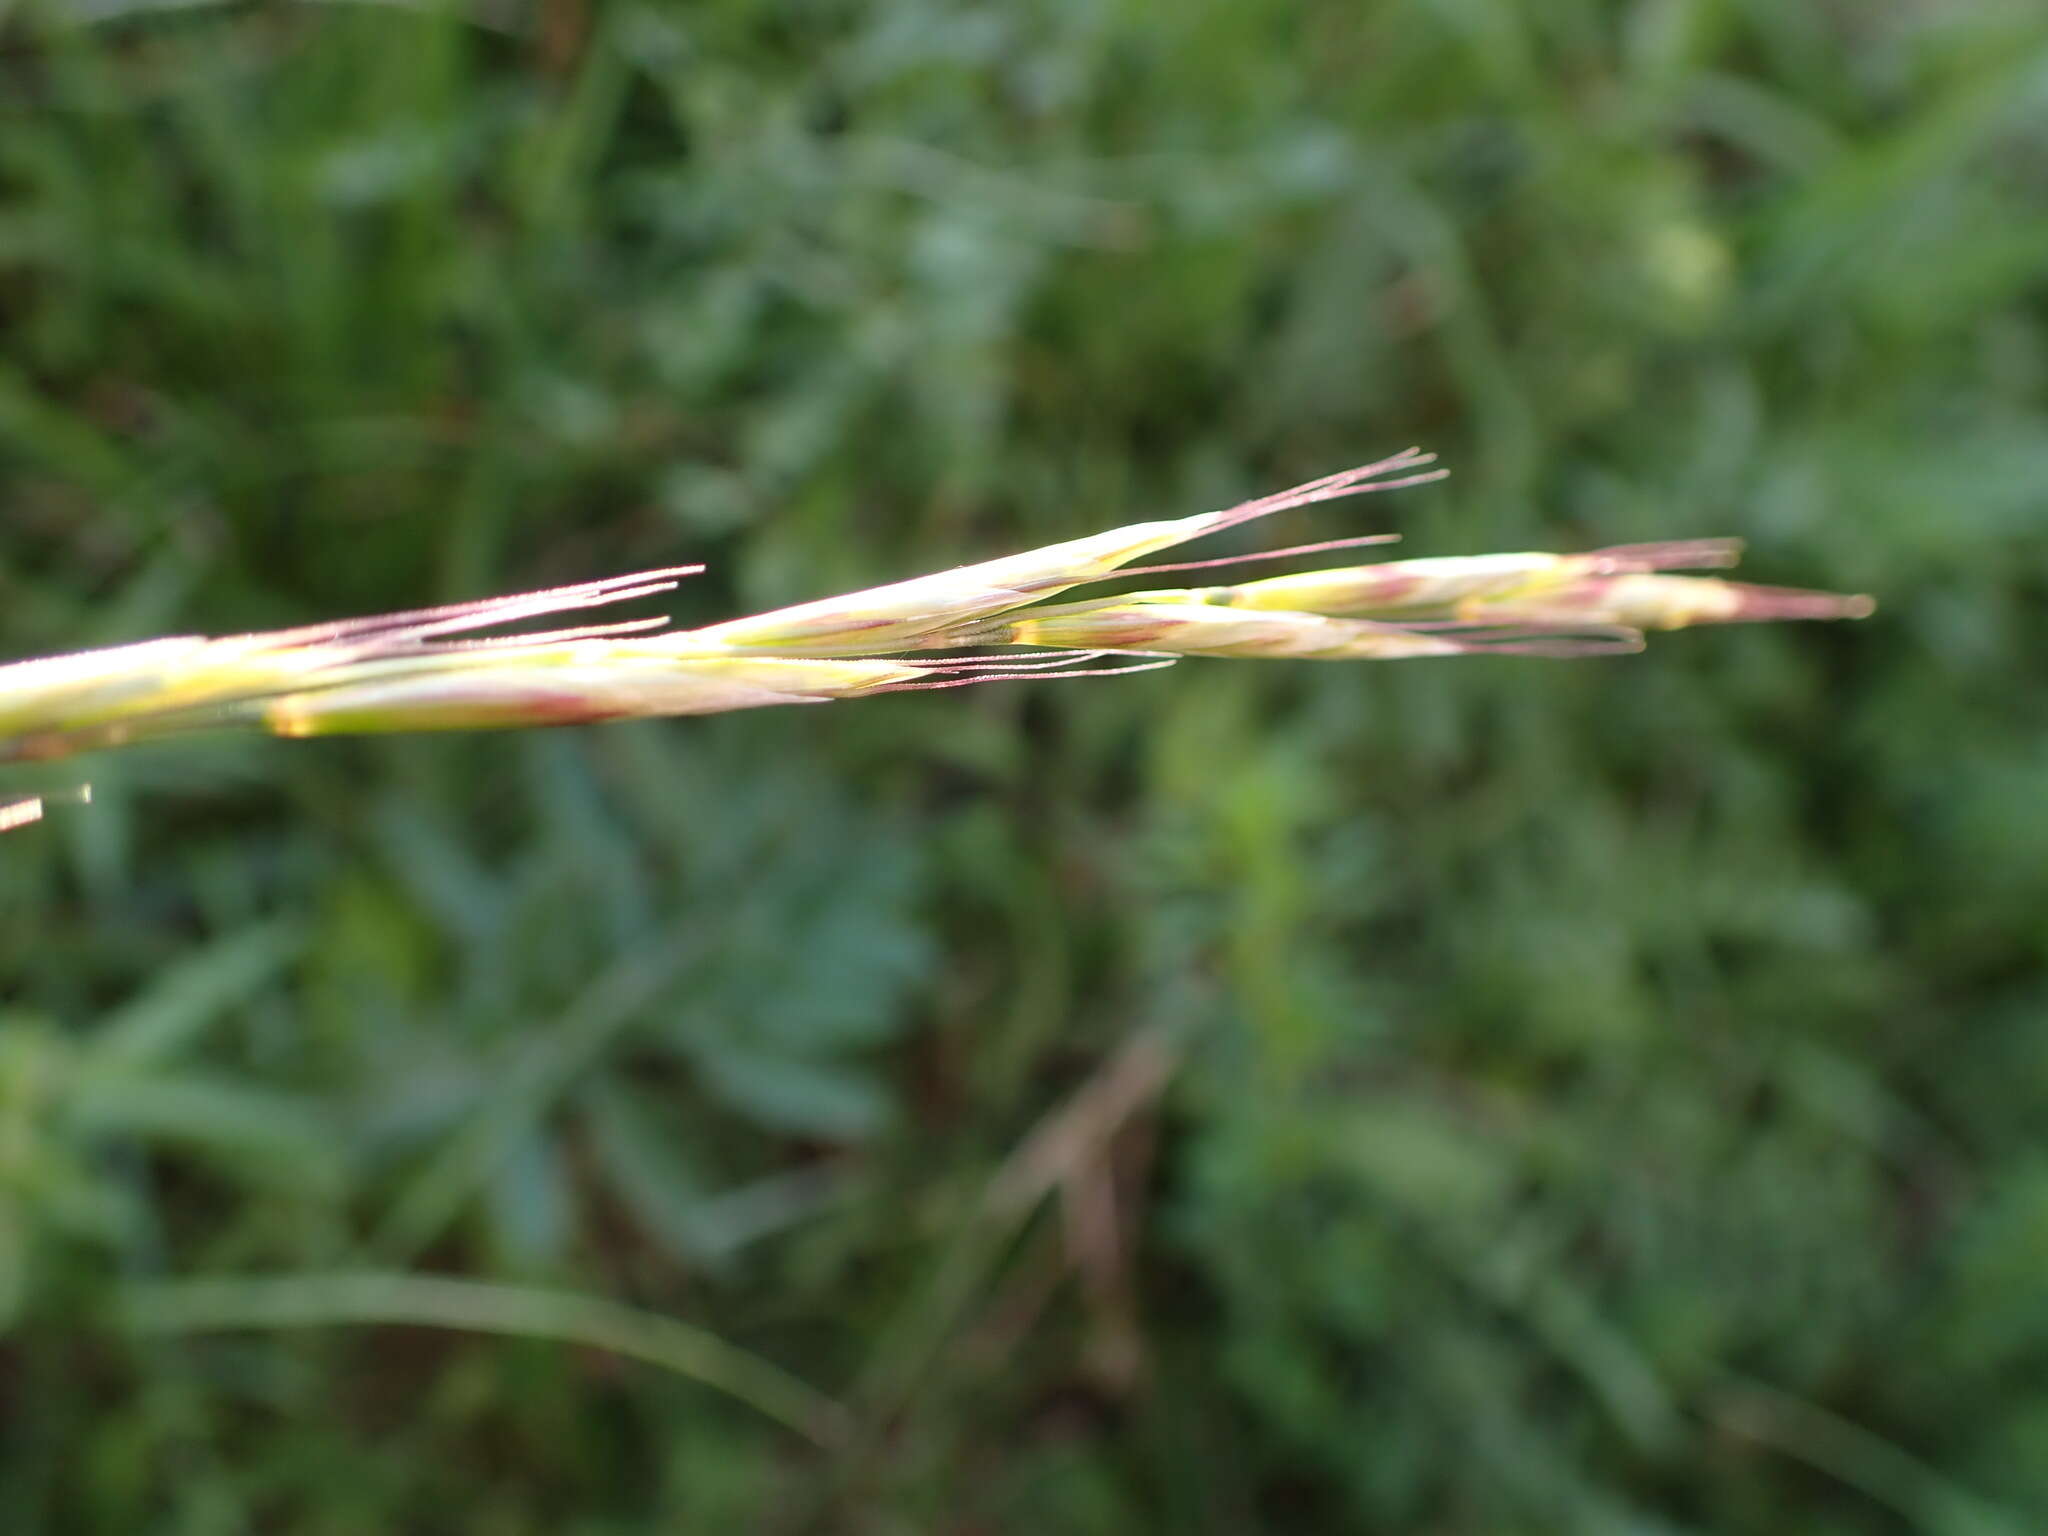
<point>513,1311</point>
<point>426,670</point>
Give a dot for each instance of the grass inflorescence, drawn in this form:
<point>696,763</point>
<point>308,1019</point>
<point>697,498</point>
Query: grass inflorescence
<point>429,669</point>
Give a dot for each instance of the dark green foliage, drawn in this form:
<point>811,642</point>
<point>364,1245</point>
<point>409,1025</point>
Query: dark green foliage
<point>1610,1097</point>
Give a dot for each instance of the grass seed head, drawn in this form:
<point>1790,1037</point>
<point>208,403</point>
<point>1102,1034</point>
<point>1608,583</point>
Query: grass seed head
<point>431,668</point>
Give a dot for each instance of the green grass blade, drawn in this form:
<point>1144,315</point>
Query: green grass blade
<point>396,1299</point>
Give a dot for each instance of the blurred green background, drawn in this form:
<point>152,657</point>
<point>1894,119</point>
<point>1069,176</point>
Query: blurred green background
<point>1487,1097</point>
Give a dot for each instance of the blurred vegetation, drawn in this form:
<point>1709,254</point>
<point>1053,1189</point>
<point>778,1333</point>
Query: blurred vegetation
<point>1495,1097</point>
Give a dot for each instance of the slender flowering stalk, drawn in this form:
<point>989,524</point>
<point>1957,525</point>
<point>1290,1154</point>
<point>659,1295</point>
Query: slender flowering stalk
<point>432,669</point>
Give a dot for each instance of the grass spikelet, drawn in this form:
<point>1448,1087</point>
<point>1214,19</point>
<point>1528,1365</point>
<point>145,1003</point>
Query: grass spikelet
<point>1157,626</point>
<point>909,614</point>
<point>595,682</point>
<point>1665,602</point>
<point>1605,586</point>
<point>119,695</point>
